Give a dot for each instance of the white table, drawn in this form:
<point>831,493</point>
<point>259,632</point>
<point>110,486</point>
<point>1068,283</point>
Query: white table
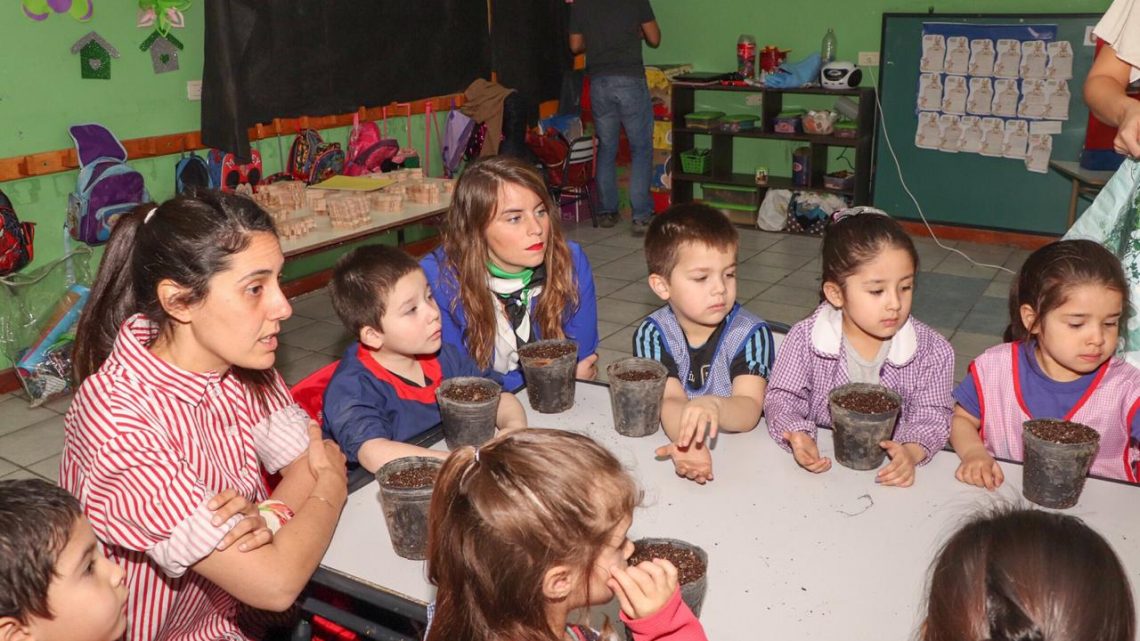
<point>829,557</point>
<point>325,236</point>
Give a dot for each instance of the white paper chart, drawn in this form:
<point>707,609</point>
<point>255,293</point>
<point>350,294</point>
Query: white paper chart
<point>987,89</point>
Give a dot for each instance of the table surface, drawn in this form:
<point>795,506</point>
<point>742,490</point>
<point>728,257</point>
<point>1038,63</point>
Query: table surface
<point>1072,169</point>
<point>325,236</point>
<point>829,557</point>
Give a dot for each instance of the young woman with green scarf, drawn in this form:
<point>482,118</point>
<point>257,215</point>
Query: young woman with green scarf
<point>505,276</point>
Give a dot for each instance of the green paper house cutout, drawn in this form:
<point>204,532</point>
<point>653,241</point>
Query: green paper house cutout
<point>95,55</point>
<point>163,51</point>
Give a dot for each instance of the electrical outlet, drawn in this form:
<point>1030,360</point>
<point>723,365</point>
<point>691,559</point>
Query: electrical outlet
<point>193,89</point>
<point>754,99</point>
<point>868,58</point>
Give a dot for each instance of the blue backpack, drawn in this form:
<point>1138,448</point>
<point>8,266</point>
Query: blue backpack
<point>107,187</point>
<point>191,173</point>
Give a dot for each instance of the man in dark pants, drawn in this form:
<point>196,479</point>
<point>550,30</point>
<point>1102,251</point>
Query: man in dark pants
<point>612,31</point>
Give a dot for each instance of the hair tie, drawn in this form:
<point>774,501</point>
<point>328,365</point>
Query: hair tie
<point>149,214</point>
<point>476,453</point>
<point>840,214</point>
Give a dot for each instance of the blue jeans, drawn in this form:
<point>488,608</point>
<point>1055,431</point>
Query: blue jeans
<point>623,101</point>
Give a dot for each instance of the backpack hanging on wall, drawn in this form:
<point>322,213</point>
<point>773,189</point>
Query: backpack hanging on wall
<point>107,186</point>
<point>15,239</point>
<point>226,173</point>
<point>367,149</point>
<point>312,160</point>
<point>191,173</point>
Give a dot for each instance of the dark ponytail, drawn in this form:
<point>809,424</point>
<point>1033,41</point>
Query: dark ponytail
<point>186,240</point>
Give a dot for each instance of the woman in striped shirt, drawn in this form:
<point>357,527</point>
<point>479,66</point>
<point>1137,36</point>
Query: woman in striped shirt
<point>179,400</point>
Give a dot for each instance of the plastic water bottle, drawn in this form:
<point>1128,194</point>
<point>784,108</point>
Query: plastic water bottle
<point>830,46</point>
<point>746,56</point>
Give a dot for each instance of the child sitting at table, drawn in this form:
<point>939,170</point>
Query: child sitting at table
<point>383,391</point>
<point>532,526</point>
<point>863,332</point>
<point>1028,574</point>
<point>718,354</point>
<point>1066,307</point>
<point>56,583</point>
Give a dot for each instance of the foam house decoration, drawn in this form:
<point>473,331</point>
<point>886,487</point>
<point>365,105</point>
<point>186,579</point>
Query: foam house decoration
<point>95,55</point>
<point>163,51</point>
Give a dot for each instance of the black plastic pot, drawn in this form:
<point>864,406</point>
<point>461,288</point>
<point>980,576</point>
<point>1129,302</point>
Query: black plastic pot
<point>636,404</point>
<point>857,435</point>
<point>406,509</point>
<point>467,422</point>
<point>550,382</point>
<point>1053,474</point>
<point>693,592</point>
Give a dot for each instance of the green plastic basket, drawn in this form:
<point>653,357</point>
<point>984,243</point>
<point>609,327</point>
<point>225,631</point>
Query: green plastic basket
<point>695,161</point>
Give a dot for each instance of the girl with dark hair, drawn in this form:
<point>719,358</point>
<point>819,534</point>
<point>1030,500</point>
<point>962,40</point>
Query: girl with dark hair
<point>1065,311</point>
<point>863,332</point>
<point>505,275</point>
<point>518,540</point>
<point>178,401</point>
<point>1028,575</point>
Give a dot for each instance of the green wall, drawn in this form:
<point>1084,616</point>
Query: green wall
<point>704,33</point>
<point>41,94</point>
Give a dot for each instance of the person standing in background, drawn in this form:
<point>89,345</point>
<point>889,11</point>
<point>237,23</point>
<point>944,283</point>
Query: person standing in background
<point>612,31</point>
<point>1113,219</point>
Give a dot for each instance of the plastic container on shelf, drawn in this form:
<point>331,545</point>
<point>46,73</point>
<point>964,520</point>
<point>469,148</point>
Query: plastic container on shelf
<point>846,129</point>
<point>843,180</point>
<point>746,56</point>
<point>707,120</point>
<point>736,123</point>
<point>718,195</point>
<point>789,121</point>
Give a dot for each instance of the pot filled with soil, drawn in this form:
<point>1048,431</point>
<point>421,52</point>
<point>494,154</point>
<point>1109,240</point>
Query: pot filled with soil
<point>548,367</point>
<point>691,561</point>
<point>862,416</point>
<point>468,406</point>
<point>1058,455</point>
<point>637,387</point>
<point>405,494</point>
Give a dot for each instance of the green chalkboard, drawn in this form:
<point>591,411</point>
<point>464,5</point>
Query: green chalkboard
<point>965,188</point>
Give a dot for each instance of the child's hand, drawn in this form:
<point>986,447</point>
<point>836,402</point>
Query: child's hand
<point>250,533</point>
<point>587,369</point>
<point>693,462</point>
<point>904,458</point>
<point>699,414</point>
<point>806,452</point>
<point>980,469</point>
<point>643,589</point>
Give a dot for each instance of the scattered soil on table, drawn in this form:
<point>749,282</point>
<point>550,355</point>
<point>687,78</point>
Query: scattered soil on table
<point>550,352</point>
<point>1063,432</point>
<point>470,393</point>
<point>417,477</point>
<point>638,375</point>
<point>689,565</point>
<point>867,402</point>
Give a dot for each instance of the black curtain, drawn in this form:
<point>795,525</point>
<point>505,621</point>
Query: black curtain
<point>289,58</point>
<point>530,47</point>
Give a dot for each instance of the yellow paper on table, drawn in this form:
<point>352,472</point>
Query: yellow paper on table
<point>354,183</point>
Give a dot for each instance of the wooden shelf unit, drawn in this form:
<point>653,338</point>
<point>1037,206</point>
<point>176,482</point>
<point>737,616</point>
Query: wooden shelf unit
<point>720,161</point>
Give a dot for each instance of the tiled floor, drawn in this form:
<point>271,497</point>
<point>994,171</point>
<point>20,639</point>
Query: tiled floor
<point>778,279</point>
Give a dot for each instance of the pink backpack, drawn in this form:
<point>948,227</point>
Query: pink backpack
<point>367,150</point>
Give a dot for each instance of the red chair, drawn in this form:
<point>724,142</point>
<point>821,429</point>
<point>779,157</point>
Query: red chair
<point>575,177</point>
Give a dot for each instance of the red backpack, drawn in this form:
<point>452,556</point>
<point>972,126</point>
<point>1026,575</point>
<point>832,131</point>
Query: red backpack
<point>367,150</point>
<point>15,239</point>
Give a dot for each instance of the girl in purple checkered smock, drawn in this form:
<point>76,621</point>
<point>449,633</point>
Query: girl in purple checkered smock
<point>863,333</point>
<point>1065,313</point>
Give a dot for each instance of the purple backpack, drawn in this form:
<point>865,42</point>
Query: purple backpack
<point>107,187</point>
<point>455,136</point>
<point>367,150</point>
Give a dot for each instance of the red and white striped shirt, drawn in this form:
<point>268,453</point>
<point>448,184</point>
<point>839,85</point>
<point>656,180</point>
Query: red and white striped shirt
<point>147,446</point>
